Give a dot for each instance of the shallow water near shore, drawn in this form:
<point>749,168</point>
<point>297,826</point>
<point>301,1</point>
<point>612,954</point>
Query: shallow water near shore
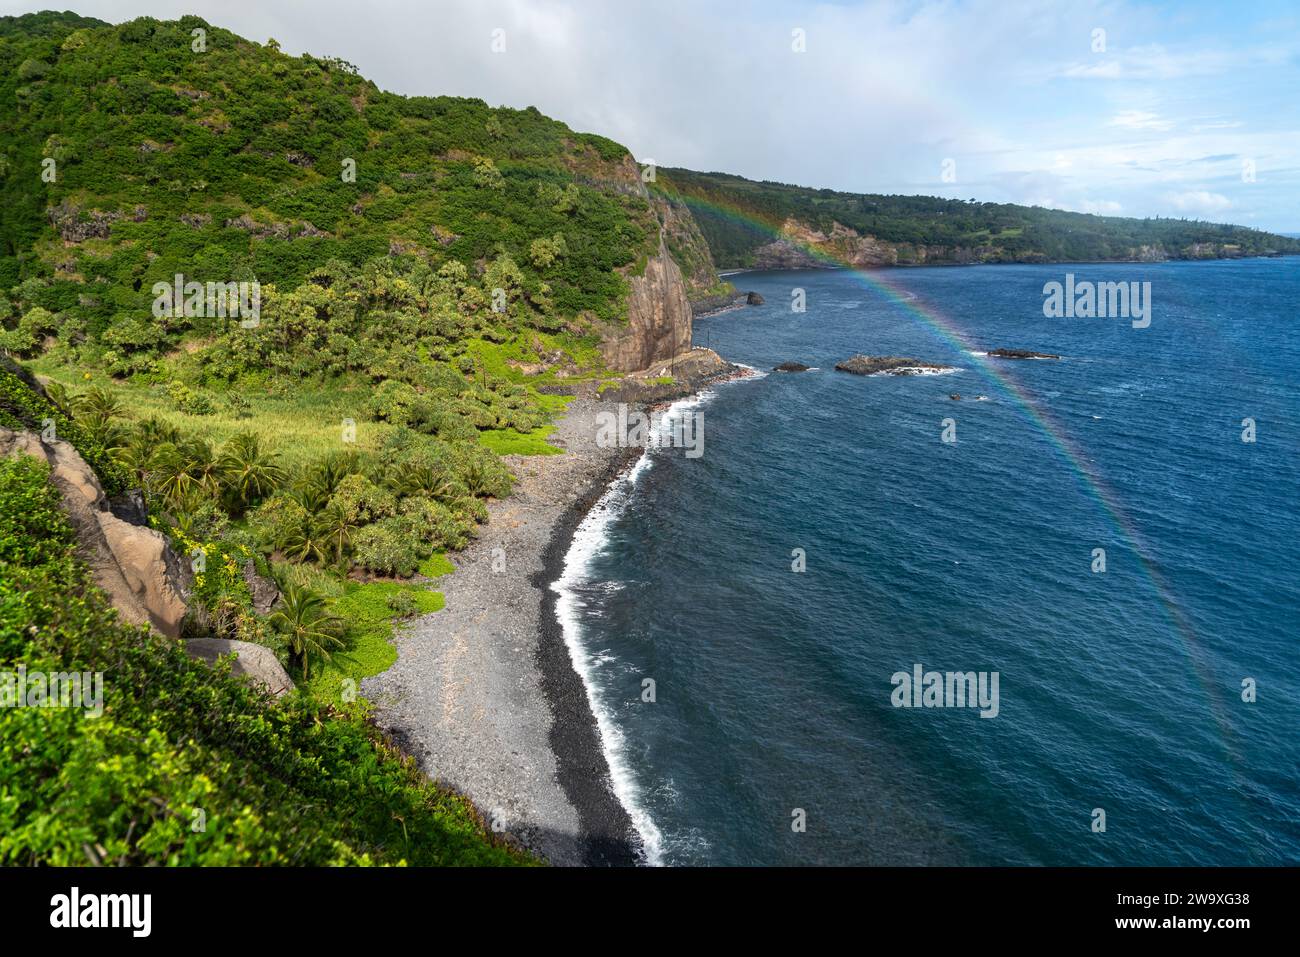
<point>1119,690</point>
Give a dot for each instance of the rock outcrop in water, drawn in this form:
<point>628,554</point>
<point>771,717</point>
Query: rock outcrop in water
<point>1020,354</point>
<point>791,367</point>
<point>673,378</point>
<point>888,365</point>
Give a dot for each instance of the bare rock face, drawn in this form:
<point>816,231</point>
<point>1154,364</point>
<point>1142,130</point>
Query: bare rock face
<point>264,592</point>
<point>254,662</point>
<point>135,566</point>
<point>658,320</point>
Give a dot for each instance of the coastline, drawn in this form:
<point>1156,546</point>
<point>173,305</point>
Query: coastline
<point>484,693</point>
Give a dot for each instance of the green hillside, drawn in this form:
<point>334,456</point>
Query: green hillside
<point>412,257</point>
<point>738,216</point>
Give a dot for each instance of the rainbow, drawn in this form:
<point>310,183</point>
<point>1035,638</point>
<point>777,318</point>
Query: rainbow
<point>1070,452</point>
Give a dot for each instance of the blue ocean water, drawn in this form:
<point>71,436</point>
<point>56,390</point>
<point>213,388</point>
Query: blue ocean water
<point>773,688</point>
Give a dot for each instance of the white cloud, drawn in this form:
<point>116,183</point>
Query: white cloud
<point>1200,201</point>
<point>1101,207</point>
<point>1141,120</point>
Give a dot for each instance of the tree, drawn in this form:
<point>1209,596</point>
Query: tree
<point>250,473</point>
<point>309,629</point>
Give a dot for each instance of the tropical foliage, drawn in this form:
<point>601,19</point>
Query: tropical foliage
<point>737,216</point>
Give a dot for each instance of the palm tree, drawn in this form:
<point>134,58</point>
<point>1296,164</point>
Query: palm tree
<point>249,473</point>
<point>329,471</point>
<point>423,478</point>
<point>335,525</point>
<point>305,541</point>
<point>96,403</point>
<point>308,626</point>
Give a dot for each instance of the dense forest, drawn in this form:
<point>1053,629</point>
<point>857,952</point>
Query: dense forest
<point>412,257</point>
<point>738,216</point>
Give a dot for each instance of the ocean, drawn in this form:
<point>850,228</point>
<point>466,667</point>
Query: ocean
<point>1147,711</point>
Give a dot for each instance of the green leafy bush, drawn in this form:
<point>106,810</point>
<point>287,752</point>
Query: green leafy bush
<point>178,743</point>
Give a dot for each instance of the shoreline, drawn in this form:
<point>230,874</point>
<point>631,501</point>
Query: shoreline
<point>484,693</point>
<point>834,266</point>
<point>582,767</point>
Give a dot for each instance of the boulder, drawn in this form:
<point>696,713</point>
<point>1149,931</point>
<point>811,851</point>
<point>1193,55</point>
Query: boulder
<point>265,593</point>
<point>136,566</point>
<point>791,367</point>
<point>754,299</point>
<point>254,662</point>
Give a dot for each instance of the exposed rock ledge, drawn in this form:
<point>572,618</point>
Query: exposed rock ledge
<point>888,365</point>
<point>135,566</point>
<point>658,318</point>
<point>144,578</point>
<point>682,375</point>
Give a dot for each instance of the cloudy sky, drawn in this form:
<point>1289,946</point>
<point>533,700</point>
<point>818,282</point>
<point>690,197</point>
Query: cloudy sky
<point>1175,109</point>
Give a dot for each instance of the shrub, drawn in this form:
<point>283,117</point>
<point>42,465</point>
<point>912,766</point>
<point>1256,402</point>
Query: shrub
<point>287,782</point>
<point>389,547</point>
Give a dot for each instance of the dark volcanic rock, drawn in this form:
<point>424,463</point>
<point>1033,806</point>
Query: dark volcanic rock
<point>891,365</point>
<point>1020,354</point>
<point>264,592</point>
<point>754,299</point>
<point>791,367</point>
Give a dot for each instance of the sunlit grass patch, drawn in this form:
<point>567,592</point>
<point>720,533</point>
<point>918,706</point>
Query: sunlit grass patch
<point>369,637</point>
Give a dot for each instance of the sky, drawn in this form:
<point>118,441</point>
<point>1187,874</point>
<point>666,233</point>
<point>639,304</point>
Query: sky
<point>1185,108</point>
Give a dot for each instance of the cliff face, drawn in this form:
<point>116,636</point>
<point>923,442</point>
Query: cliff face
<point>658,318</point>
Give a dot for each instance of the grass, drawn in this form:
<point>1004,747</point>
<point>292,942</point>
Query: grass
<point>436,565</point>
<point>510,442</point>
<point>495,358</point>
<point>302,426</point>
<point>369,635</point>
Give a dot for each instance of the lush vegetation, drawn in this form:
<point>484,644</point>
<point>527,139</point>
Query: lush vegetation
<point>738,215</point>
<point>418,270</point>
<point>186,764</point>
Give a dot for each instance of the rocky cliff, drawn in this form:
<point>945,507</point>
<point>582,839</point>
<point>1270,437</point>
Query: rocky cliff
<point>658,318</point>
<point>134,565</point>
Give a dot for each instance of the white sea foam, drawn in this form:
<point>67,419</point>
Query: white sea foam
<point>917,370</point>
<point>590,541</point>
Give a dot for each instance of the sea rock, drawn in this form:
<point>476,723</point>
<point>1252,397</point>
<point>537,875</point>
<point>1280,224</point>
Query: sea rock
<point>754,299</point>
<point>670,379</point>
<point>890,365</point>
<point>255,662</point>
<point>955,396</point>
<point>135,566</point>
<point>791,367</point>
<point>1020,354</point>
